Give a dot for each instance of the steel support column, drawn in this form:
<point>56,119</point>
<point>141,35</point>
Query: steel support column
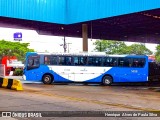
<point>85,37</point>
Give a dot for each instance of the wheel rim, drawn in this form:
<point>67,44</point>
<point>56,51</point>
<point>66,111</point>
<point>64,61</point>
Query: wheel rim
<point>47,79</point>
<point>107,81</point>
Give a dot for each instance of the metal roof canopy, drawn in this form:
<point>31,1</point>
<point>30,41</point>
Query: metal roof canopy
<point>137,27</point>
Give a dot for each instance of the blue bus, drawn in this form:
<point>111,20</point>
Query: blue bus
<point>85,68</point>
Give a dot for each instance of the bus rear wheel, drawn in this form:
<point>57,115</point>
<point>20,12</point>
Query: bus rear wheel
<point>107,80</point>
<point>47,79</point>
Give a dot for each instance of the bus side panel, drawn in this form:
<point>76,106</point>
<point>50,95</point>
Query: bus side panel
<point>31,75</point>
<point>48,70</point>
<point>128,74</point>
<point>79,73</point>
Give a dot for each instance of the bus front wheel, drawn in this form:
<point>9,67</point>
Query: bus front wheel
<point>107,80</point>
<point>47,79</point>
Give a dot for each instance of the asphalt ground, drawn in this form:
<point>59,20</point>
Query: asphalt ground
<point>80,97</point>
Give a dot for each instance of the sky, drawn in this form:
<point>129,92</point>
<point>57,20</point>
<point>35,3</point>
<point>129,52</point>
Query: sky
<point>42,43</point>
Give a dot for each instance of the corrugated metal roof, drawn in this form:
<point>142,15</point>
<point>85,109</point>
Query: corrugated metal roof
<point>141,26</point>
<point>72,11</point>
<point>86,10</point>
<point>40,10</point>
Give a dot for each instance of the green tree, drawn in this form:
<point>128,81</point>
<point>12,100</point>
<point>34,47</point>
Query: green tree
<point>111,47</point>
<point>139,49</point>
<point>8,48</point>
<point>118,47</point>
<point>157,54</point>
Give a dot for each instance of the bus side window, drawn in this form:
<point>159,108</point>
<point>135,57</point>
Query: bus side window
<point>90,60</point>
<point>124,62</point>
<point>61,60</point>
<point>135,63</point>
<point>33,63</point>
<point>79,61</point>
<point>36,62</point>
<point>47,60</point>
<point>53,60</point>
<point>68,60</point>
<point>84,61</point>
<point>128,62</point>
<point>141,63</point>
<point>106,61</point>
<point>99,61</point>
<point>113,62</point>
<point>30,62</point>
<point>75,60</point>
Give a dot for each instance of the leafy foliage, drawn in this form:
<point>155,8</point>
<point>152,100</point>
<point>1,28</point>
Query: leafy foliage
<point>8,48</point>
<point>157,54</point>
<point>18,72</point>
<point>139,49</point>
<point>110,47</point>
<point>118,47</point>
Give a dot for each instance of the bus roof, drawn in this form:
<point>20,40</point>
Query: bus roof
<point>88,54</point>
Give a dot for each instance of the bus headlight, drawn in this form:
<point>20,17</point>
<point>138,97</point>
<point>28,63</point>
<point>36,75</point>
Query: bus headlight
<point>24,77</point>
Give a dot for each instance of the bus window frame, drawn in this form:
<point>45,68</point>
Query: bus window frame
<point>50,56</point>
<point>95,57</point>
<point>32,66</point>
<point>65,62</point>
<point>80,63</point>
<point>111,64</point>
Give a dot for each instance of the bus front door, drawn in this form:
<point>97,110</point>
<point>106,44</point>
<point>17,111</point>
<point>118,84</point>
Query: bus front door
<point>33,64</point>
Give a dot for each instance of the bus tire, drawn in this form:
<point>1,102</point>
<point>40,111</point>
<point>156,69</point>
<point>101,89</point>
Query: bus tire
<point>47,79</point>
<point>107,80</point>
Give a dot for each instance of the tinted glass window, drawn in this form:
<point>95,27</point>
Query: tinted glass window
<point>53,60</point>
<point>94,61</point>
<point>110,61</point>
<point>124,62</point>
<point>33,62</point>
<point>50,60</point>
<point>68,60</point>
<point>138,62</point>
<point>65,60</point>
<point>79,60</point>
<point>30,62</point>
<point>47,60</point>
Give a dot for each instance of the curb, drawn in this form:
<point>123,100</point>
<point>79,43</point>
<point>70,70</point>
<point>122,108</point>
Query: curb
<point>11,84</point>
